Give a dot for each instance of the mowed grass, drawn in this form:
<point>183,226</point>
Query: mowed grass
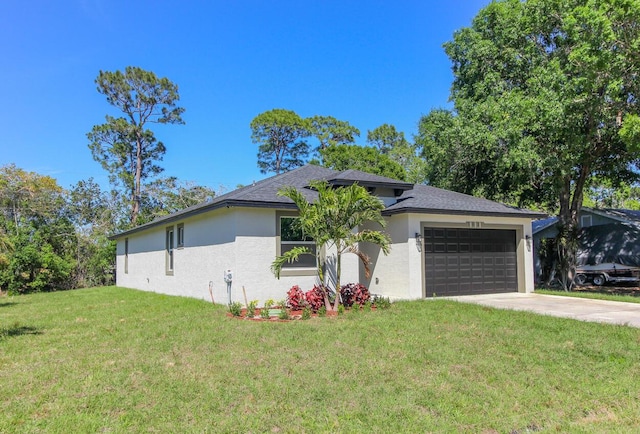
<point>118,360</point>
<point>581,293</point>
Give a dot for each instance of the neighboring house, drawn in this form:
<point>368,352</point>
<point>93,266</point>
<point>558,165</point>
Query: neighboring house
<point>443,243</point>
<point>604,236</point>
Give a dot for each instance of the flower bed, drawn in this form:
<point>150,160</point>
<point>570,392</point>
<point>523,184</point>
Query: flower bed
<point>301,306</point>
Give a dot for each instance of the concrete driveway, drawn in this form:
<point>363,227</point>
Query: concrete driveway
<point>583,309</point>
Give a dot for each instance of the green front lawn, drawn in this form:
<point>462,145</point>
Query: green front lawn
<point>119,360</point>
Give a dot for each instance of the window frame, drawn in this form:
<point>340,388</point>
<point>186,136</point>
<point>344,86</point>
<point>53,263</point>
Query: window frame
<point>290,269</point>
<point>180,236</point>
<point>169,250</point>
<point>126,256</point>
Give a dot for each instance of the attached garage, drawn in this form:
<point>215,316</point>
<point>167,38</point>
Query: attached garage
<point>466,261</point>
<point>442,243</point>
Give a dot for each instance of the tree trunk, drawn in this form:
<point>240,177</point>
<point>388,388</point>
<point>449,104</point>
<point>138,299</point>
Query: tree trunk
<point>336,302</point>
<point>137,180</point>
<point>325,291</point>
<point>570,207</point>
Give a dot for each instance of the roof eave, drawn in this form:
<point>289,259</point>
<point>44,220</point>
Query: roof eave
<point>531,215</point>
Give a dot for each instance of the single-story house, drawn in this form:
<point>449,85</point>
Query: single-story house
<point>443,243</point>
<point>604,236</point>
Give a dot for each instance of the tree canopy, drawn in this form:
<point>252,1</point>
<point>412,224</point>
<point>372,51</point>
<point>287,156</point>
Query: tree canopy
<point>331,131</point>
<point>393,143</point>
<point>36,235</point>
<point>124,146</point>
<point>363,158</point>
<point>281,135</point>
<point>544,97</point>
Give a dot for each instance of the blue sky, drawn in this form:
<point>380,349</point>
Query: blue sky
<point>367,63</point>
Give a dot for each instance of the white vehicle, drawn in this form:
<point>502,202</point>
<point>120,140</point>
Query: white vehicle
<point>605,273</point>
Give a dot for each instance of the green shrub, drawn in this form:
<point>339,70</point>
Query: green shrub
<point>322,312</point>
<point>284,313</point>
<point>306,313</point>
<point>251,309</point>
<point>235,308</point>
<point>264,313</point>
<point>381,302</point>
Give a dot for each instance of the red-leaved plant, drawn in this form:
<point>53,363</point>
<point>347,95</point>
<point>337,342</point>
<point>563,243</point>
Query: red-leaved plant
<point>354,293</point>
<point>295,298</point>
<point>315,298</point>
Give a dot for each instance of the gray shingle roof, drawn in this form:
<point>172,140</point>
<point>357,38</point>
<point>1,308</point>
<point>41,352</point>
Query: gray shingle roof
<point>424,198</point>
<point>415,198</point>
<point>626,214</point>
<point>348,177</point>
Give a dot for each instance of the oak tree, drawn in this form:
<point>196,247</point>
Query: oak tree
<point>545,98</point>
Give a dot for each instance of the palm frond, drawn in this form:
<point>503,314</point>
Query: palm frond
<point>287,258</point>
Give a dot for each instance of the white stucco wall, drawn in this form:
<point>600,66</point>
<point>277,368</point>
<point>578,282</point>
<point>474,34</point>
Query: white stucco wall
<point>244,241</point>
<point>238,239</point>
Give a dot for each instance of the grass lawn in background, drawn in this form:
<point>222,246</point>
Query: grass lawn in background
<point>598,294</point>
<point>119,360</point>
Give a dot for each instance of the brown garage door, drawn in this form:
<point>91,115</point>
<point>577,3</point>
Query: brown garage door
<point>469,261</point>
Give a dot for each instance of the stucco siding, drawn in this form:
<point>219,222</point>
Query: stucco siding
<point>238,239</point>
<point>391,273</point>
<point>244,241</point>
<point>208,248</point>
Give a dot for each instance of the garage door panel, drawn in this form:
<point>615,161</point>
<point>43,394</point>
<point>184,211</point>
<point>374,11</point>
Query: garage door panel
<point>469,261</point>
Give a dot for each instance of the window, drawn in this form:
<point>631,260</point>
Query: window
<point>126,256</point>
<point>169,251</point>
<point>585,221</point>
<point>180,235</point>
<point>291,236</point>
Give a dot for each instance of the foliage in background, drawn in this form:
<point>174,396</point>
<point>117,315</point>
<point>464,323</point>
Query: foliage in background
<point>165,196</point>
<point>330,131</point>
<point>124,146</point>
<point>392,143</point>
<point>545,98</point>
<point>606,194</point>
<point>38,235</point>
<point>295,298</point>
<point>281,135</point>
<point>364,158</point>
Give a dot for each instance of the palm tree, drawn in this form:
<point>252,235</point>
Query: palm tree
<point>334,220</point>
